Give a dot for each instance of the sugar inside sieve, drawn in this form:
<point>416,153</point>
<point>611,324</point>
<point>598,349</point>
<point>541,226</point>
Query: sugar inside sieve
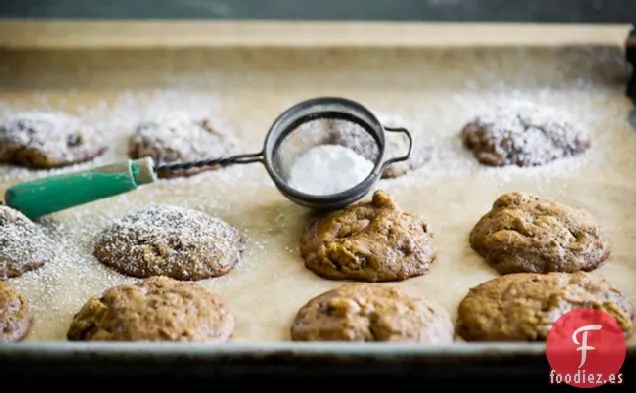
<point>323,153</point>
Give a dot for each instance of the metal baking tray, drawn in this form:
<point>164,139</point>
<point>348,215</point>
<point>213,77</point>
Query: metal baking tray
<point>434,76</point>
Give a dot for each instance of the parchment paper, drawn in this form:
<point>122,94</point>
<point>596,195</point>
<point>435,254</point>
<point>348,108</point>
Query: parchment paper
<point>434,91</point>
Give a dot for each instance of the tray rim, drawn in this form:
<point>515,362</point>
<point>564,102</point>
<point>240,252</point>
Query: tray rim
<point>32,34</point>
<point>212,350</point>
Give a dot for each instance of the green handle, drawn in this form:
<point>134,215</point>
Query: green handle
<point>40,197</point>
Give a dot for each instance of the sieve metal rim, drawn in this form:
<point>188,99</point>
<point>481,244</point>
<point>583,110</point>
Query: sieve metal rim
<point>308,110</point>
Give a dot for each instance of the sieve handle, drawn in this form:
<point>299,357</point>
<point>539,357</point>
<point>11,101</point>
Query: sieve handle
<point>47,195</point>
<point>400,158</point>
<point>212,161</point>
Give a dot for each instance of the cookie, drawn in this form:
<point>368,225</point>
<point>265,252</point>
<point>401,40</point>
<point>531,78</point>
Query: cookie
<point>15,316</point>
<point>524,306</point>
<point>369,241</point>
<point>372,312</point>
<point>524,139</point>
<point>524,233</point>
<point>177,136</point>
<point>164,240</point>
<point>156,309</point>
<point>24,246</point>
<point>44,140</point>
<point>396,144</point>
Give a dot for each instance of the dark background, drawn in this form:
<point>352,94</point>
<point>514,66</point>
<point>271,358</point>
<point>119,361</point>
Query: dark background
<point>568,11</point>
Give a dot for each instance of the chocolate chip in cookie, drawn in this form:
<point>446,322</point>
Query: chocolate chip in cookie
<point>371,241</point>
<point>372,312</point>
<point>165,240</point>
<point>155,309</point>
<point>15,315</point>
<point>525,233</point>
<point>524,306</point>
<point>176,136</point>
<point>508,137</point>
<point>48,140</point>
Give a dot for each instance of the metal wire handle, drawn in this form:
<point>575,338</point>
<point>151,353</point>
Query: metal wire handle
<point>212,161</point>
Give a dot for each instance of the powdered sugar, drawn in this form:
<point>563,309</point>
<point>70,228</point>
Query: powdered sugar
<point>328,170</point>
<point>182,243</point>
<point>24,246</point>
<point>57,138</point>
<point>524,137</point>
<point>174,136</point>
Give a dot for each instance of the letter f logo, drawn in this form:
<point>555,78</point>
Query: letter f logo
<point>584,347</point>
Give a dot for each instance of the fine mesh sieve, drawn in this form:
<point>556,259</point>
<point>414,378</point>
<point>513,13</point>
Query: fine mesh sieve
<point>320,121</point>
<point>312,123</point>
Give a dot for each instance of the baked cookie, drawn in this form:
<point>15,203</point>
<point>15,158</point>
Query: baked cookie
<point>524,233</point>
<point>370,241</point>
<point>524,306</point>
<point>48,140</point>
<point>156,309</point>
<point>509,137</point>
<point>24,246</point>
<point>354,137</point>
<point>164,240</point>
<point>372,312</point>
<point>178,137</point>
<point>15,316</point>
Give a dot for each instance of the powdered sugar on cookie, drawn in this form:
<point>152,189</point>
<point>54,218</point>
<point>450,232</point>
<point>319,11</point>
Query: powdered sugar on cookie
<point>24,246</point>
<point>165,240</point>
<point>47,140</point>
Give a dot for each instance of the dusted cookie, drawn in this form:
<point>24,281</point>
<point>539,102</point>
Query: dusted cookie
<point>523,233</point>
<point>178,137</point>
<point>15,316</point>
<point>354,137</point>
<point>371,241</point>
<point>171,241</point>
<point>512,138</point>
<point>157,309</point>
<point>372,312</point>
<point>23,244</point>
<point>397,145</point>
<point>524,306</point>
<point>48,140</point>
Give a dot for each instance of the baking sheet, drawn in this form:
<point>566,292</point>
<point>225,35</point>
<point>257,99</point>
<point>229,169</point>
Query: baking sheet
<point>433,90</point>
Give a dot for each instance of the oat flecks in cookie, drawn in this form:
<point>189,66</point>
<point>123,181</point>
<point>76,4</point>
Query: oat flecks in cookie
<point>48,140</point>
<point>524,306</point>
<point>156,309</point>
<point>371,241</point>
<point>165,240</point>
<point>24,246</point>
<point>525,233</point>
<point>176,136</point>
<point>529,137</point>
<point>15,316</point>
<point>372,312</point>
